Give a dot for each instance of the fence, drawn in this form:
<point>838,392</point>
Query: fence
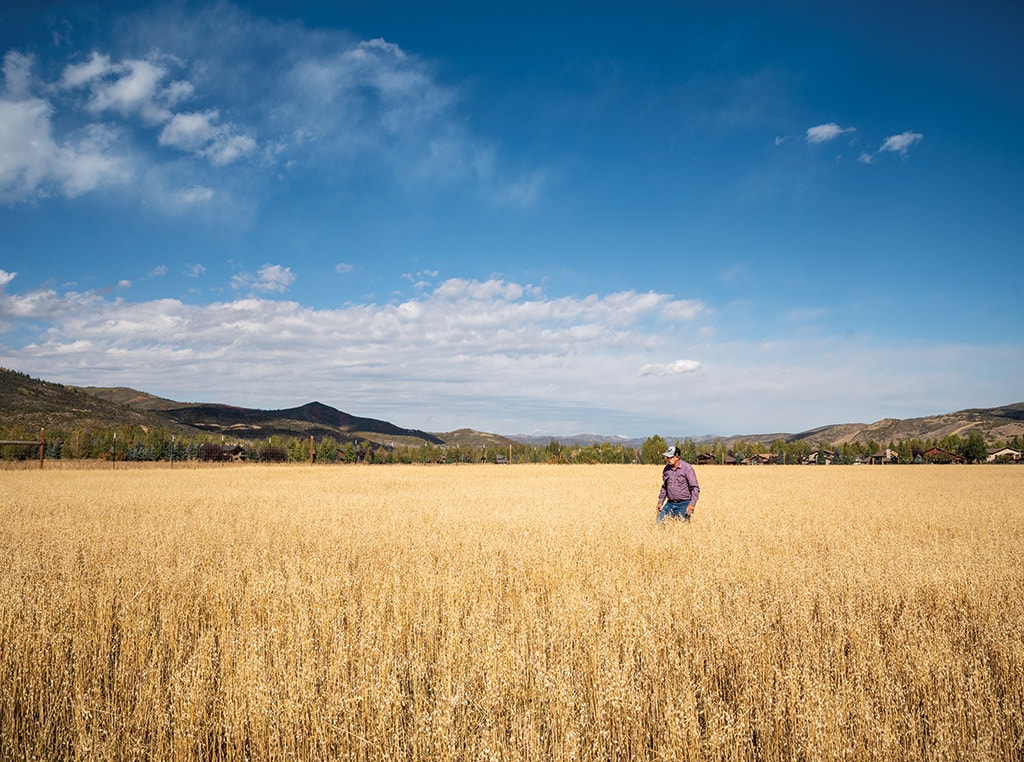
<point>41,443</point>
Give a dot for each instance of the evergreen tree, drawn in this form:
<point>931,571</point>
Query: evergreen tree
<point>653,449</point>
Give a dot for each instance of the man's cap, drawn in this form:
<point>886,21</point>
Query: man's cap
<point>671,452</point>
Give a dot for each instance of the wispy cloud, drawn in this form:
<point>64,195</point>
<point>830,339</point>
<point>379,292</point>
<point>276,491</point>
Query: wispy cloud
<point>339,104</point>
<point>900,144</point>
<point>270,279</point>
<point>823,133</point>
<point>676,368</point>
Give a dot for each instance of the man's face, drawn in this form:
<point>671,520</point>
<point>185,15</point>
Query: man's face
<point>672,460</point>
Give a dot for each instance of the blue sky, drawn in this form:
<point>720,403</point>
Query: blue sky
<point>674,218</point>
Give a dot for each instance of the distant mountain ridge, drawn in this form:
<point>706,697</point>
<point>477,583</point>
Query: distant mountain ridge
<point>995,424</point>
<point>312,419</point>
<point>35,404</point>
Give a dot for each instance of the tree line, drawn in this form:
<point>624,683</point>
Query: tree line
<point>136,443</point>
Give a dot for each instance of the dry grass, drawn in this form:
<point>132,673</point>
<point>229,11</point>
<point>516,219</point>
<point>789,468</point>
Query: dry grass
<point>516,613</point>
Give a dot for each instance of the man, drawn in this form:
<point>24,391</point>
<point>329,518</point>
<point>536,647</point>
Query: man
<point>679,488</point>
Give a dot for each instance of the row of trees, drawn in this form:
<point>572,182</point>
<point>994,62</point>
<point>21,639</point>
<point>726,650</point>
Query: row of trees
<point>135,443</point>
<point>973,448</point>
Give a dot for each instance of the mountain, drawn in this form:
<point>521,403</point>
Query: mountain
<point>998,423</point>
<point>995,424</point>
<point>34,404</point>
<point>313,419</point>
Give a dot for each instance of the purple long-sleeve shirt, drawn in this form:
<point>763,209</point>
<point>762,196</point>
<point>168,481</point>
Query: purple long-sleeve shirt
<point>679,483</point>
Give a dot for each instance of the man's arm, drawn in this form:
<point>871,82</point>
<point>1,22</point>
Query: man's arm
<point>691,479</point>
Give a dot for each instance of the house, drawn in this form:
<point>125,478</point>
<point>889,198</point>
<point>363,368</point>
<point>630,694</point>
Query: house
<point>1002,455</point>
<point>710,459</point>
<point>938,455</point>
<point>884,457</point>
<point>764,458</point>
<point>826,457</point>
<point>214,452</point>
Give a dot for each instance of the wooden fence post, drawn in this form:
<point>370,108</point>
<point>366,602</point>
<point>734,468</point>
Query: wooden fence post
<point>26,442</point>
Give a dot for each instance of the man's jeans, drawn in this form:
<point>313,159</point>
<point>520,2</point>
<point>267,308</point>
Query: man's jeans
<point>674,509</point>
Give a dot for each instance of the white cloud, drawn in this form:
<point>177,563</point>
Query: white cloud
<point>379,44</point>
<point>270,279</point>
<point>901,143</point>
<point>683,310</point>
<point>826,132</point>
<point>17,69</point>
<point>201,134</point>
<point>76,75</point>
<point>677,368</point>
<point>339,105</point>
<point>189,132</point>
<point>343,267</point>
<point>34,164</point>
<point>493,355</point>
<point>6,277</point>
<point>130,87</point>
<point>229,147</point>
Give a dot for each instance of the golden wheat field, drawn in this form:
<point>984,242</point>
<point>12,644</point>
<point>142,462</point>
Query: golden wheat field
<point>253,612</point>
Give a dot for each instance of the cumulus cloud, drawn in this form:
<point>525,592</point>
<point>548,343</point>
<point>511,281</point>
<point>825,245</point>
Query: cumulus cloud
<point>202,134</point>
<point>493,354</point>
<point>677,368</point>
<point>130,87</point>
<point>826,132</point>
<point>33,162</point>
<point>682,310</point>
<point>490,339</point>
